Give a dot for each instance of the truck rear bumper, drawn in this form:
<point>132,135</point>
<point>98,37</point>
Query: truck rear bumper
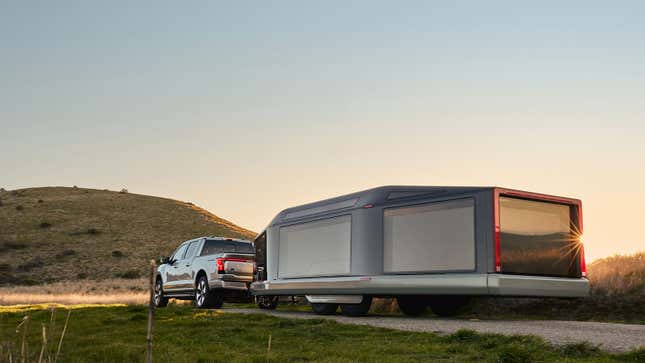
<point>229,285</point>
<point>443,284</point>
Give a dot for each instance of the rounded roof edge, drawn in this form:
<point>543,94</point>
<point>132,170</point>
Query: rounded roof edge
<point>375,195</point>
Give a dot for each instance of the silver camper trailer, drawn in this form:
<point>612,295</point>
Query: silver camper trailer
<point>426,246</point>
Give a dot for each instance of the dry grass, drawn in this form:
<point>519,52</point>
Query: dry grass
<point>94,234</point>
<point>80,292</point>
<point>618,275</point>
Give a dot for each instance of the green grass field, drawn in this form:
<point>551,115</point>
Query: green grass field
<point>183,334</point>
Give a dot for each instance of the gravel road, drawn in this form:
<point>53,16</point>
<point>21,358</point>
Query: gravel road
<point>610,336</point>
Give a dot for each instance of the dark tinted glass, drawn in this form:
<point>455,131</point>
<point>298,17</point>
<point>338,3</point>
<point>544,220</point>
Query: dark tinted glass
<point>213,246</point>
<point>536,238</point>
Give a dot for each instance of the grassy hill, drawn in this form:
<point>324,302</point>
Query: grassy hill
<point>58,233</point>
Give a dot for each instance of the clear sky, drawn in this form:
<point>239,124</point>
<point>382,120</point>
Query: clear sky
<point>246,108</point>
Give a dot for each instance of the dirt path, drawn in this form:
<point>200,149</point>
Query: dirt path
<point>610,336</point>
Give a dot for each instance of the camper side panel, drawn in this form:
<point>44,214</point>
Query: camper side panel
<point>318,248</point>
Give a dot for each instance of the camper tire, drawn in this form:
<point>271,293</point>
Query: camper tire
<point>448,306</point>
<point>412,305</point>
<point>324,309</point>
<point>359,309</point>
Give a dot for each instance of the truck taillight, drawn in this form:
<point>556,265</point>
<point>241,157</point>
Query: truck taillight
<point>220,263</point>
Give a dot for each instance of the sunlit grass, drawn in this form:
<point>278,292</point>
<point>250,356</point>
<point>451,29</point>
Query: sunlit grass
<point>183,334</point>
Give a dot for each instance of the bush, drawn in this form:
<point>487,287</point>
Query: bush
<point>117,254</point>
<point>81,275</point>
<point>1,203</point>
<point>93,231</point>
<point>130,274</point>
<point>123,191</point>
<point>580,350</point>
<point>5,268</point>
<point>40,201</point>
<point>65,253</point>
<point>45,225</point>
<point>5,246</point>
<point>20,208</point>
<point>30,265</point>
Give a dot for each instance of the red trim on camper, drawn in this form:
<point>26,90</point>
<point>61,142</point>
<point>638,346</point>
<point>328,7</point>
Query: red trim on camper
<point>497,192</point>
<point>496,231</point>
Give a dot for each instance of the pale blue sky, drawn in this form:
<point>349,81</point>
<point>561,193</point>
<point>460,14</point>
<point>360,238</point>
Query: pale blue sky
<point>246,108</point>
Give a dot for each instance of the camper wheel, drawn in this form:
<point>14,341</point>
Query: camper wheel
<point>412,305</point>
<point>359,309</point>
<point>448,305</point>
<point>324,308</point>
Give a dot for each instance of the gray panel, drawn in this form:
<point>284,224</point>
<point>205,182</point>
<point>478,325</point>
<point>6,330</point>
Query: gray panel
<point>315,248</point>
<point>430,237</point>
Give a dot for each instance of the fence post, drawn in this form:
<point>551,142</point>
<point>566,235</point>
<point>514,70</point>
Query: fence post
<point>151,310</point>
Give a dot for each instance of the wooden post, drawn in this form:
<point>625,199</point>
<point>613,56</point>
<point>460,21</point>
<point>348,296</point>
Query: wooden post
<point>151,310</point>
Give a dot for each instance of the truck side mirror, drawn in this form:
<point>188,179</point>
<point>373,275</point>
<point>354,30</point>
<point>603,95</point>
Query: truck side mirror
<point>164,260</point>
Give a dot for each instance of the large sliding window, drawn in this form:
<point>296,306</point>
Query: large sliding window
<point>430,237</point>
<point>318,248</point>
<point>536,238</point>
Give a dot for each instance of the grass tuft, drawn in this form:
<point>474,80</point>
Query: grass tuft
<point>580,350</point>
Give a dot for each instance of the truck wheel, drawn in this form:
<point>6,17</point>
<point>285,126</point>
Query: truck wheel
<point>412,305</point>
<point>448,305</point>
<point>204,297</point>
<point>159,300</point>
<point>359,309</point>
<point>267,302</point>
<point>324,308</point>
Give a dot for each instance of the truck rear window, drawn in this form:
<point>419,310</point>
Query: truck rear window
<point>536,238</point>
<point>214,246</point>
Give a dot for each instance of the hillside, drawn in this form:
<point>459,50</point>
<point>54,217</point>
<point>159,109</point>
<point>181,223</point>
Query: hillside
<point>59,233</point>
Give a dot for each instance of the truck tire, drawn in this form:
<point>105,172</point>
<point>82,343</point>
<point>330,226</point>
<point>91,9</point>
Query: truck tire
<point>158,299</point>
<point>267,302</point>
<point>359,309</point>
<point>448,305</point>
<point>204,297</point>
<point>412,305</point>
<point>324,309</point>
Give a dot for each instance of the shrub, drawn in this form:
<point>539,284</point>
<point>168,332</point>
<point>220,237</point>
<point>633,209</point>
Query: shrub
<point>82,275</point>
<point>30,265</point>
<point>5,268</point>
<point>123,191</point>
<point>20,208</point>
<point>65,253</point>
<point>1,203</point>
<point>40,201</point>
<point>75,187</point>
<point>2,190</point>
<point>117,254</point>
<point>93,231</point>
<point>580,350</point>
<point>130,274</point>
<point>45,225</point>
<point>5,246</point>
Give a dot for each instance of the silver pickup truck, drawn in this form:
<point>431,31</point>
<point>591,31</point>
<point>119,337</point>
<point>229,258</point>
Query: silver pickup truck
<point>207,270</point>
